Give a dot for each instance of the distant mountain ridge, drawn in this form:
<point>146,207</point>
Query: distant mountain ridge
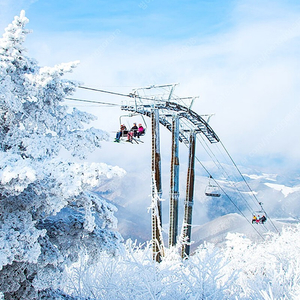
<point>213,217</point>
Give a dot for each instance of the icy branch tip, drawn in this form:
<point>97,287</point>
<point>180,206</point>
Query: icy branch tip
<point>22,18</point>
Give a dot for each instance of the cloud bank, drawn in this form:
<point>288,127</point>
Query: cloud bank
<point>245,73</point>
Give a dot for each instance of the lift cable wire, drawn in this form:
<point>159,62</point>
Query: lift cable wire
<point>240,193</point>
<point>210,175</point>
<point>227,176</point>
<point>250,194</point>
<point>249,187</point>
<point>225,173</point>
<point>220,167</point>
<point>236,179</point>
<point>233,184</point>
<point>130,95</point>
<point>93,101</point>
<point>229,197</point>
<point>103,91</point>
<point>114,93</point>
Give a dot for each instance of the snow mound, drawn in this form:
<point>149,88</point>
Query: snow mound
<point>215,232</point>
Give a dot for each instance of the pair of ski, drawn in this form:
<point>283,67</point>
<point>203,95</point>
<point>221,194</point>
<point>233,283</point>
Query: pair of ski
<point>133,140</point>
<point>137,141</point>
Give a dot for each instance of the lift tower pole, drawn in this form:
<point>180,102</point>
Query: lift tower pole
<point>174,183</point>
<point>157,241</point>
<point>188,205</point>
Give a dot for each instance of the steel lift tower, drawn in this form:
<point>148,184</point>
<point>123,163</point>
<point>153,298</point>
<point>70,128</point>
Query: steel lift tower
<point>174,114</point>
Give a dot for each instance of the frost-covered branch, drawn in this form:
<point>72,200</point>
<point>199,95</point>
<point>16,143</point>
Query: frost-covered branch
<point>48,214</point>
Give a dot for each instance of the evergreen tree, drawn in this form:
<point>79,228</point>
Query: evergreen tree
<point>47,216</point>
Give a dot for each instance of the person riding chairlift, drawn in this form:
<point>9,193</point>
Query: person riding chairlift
<point>133,132</point>
<point>263,219</point>
<point>257,219</point>
<point>140,131</point>
<point>123,130</point>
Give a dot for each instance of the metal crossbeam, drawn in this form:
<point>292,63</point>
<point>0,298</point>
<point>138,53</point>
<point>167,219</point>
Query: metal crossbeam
<point>196,122</point>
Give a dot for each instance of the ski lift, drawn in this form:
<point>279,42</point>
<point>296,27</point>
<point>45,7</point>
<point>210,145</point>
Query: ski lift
<point>259,216</point>
<point>212,190</point>
<point>124,121</point>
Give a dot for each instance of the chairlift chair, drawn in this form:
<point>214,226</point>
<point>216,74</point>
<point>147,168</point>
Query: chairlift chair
<point>124,119</point>
<point>212,190</point>
<point>257,217</point>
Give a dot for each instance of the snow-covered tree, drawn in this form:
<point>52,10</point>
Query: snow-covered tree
<point>48,217</point>
<point>237,269</point>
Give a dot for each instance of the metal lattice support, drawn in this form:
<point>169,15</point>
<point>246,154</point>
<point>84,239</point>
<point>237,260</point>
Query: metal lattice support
<point>190,124</point>
<point>174,183</point>
<point>157,242</point>
<point>188,205</point>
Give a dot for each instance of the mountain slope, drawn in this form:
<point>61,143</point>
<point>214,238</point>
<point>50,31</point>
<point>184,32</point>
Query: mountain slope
<point>215,231</point>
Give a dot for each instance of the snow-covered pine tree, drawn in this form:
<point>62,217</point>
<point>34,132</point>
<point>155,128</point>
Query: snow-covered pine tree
<point>47,216</point>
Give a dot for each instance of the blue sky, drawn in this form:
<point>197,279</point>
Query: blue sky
<point>150,18</point>
<point>240,57</point>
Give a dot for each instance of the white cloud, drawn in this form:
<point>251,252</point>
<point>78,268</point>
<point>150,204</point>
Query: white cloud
<point>247,75</point>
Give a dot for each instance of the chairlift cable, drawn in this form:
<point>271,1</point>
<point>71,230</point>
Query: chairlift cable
<point>92,101</point>
<point>115,93</point>
<point>222,169</point>
<point>235,178</point>
<point>247,204</point>
<point>259,203</point>
<point>229,197</point>
<point>103,91</point>
<point>126,95</point>
<point>234,184</point>
<point>240,192</point>
<point>249,187</point>
<point>249,208</point>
